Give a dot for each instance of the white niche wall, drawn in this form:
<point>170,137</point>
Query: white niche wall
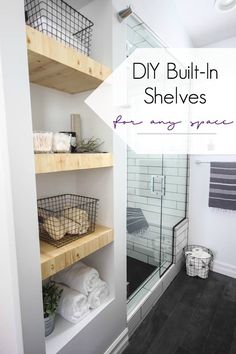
<point>51,111</point>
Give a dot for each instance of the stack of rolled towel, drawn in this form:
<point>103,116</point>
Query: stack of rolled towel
<point>73,221</point>
<point>82,290</point>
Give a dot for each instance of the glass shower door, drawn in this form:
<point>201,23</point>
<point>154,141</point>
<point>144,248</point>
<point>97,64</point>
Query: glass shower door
<point>146,189</point>
<point>156,196</point>
<point>173,236</point>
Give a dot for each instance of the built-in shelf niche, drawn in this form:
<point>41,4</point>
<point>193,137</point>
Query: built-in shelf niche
<point>103,261</point>
<point>55,66</point>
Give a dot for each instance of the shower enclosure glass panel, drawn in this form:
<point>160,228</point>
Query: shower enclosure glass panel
<point>144,215</point>
<point>174,203</point>
<point>156,196</point>
<point>140,36</point>
<point>157,186</point>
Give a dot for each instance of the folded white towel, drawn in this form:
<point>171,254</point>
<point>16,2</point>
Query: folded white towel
<point>73,306</point>
<point>79,277</point>
<point>98,295</point>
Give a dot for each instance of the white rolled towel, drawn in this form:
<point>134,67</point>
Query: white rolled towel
<point>79,277</point>
<point>98,295</point>
<point>73,306</point>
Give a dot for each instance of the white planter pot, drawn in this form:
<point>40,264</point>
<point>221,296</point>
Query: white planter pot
<point>49,324</point>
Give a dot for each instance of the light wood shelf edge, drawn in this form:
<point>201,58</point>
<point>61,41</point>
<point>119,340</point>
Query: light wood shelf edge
<point>47,163</point>
<point>52,64</point>
<point>55,259</point>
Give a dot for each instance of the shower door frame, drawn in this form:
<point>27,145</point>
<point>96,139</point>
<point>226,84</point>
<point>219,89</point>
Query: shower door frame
<point>159,268</point>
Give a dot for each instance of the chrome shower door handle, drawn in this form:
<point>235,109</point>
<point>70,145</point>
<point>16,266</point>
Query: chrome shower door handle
<point>163,185</point>
<point>153,184</point>
<point>159,181</point>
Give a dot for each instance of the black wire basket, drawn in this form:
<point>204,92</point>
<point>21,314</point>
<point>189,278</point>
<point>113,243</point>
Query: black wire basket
<point>197,265</point>
<point>65,218</point>
<point>59,20</point>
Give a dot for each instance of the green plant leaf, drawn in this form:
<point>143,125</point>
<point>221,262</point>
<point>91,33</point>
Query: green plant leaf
<point>51,298</point>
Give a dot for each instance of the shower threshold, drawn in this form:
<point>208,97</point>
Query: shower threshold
<point>149,282</point>
<point>142,301</point>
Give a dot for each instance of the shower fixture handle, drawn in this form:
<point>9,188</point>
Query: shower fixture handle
<point>159,180</point>
<point>123,14</point>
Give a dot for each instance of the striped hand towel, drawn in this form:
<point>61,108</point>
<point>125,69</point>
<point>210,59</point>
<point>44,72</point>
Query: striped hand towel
<point>223,185</point>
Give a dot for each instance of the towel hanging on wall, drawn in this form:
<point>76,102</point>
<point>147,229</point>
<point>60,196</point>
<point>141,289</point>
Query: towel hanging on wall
<point>222,193</point>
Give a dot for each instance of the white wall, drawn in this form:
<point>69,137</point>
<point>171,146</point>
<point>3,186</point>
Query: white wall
<point>19,230</point>
<point>100,13</point>
<point>162,17</point>
<point>213,228</point>
<point>10,325</point>
<point>226,43</point>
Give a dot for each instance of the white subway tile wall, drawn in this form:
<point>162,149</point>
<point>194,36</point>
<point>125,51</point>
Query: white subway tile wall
<point>180,240</point>
<point>146,246</point>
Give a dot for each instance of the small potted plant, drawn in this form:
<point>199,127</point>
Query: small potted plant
<point>90,145</point>
<point>51,298</point>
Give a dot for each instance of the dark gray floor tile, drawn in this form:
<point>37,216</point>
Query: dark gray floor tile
<point>171,335</point>
<point>230,291</point>
<point>200,321</point>
<point>148,330</point>
<point>233,344</point>
<point>181,350</point>
<point>194,316</point>
<point>221,334</point>
<point>173,295</point>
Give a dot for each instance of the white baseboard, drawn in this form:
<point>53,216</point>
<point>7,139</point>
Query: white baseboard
<point>224,268</point>
<point>119,344</point>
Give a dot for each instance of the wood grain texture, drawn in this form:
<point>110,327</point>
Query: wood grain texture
<point>46,163</point>
<point>54,65</point>
<point>55,259</point>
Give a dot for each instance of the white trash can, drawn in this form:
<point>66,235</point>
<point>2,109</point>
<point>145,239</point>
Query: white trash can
<point>198,260</point>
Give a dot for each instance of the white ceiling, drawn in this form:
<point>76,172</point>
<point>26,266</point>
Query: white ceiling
<point>204,23</point>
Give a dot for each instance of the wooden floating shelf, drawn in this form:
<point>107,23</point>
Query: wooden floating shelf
<point>46,163</point>
<point>54,65</point>
<point>55,259</point>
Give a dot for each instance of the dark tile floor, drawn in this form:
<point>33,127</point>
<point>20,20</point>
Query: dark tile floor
<point>194,316</point>
<point>137,272</point>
